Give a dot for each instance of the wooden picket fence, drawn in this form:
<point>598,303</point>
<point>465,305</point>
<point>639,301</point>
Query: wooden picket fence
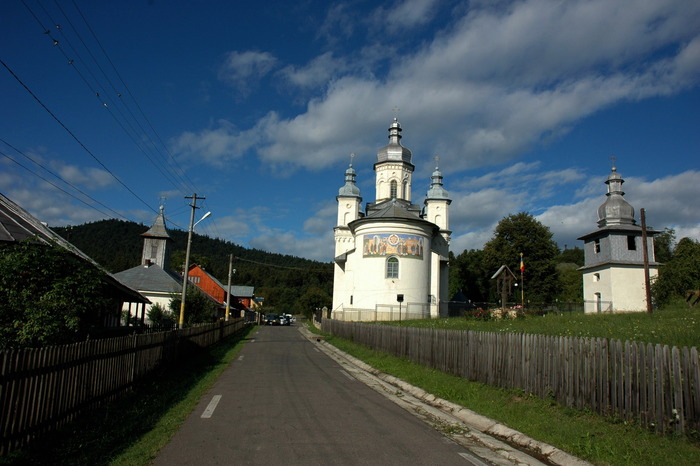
<point>656,386</point>
<point>43,389</point>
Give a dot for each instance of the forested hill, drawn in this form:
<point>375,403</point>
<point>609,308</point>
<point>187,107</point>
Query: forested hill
<point>281,279</point>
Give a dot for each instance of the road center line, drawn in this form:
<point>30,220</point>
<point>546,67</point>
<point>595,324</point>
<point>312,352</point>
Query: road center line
<point>211,407</point>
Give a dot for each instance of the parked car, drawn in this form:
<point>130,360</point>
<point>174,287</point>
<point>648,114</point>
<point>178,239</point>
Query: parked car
<point>272,319</point>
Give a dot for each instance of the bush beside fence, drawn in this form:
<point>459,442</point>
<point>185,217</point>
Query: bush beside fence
<point>43,389</point>
<point>656,386</point>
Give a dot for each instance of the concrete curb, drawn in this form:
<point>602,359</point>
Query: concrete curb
<point>473,420</point>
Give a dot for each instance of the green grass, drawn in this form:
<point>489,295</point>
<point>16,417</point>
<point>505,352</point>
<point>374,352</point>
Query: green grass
<point>674,325</point>
<point>603,441</point>
<point>132,430</point>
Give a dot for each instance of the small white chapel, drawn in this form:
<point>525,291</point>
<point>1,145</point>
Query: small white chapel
<point>391,261</point>
<point>614,270</point>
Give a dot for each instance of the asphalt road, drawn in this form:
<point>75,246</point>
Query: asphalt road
<point>283,401</point>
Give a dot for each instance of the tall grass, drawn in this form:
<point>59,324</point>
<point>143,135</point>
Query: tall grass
<point>674,325</point>
<point>132,430</point>
<point>602,441</point>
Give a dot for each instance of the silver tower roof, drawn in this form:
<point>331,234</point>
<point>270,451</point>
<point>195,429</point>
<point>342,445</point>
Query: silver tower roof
<point>350,189</point>
<point>615,210</point>
<point>394,151</point>
<point>437,191</point>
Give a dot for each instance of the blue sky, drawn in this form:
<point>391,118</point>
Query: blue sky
<point>257,106</point>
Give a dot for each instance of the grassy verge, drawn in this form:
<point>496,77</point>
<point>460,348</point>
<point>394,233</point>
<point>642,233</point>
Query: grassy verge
<point>674,325</point>
<point>132,430</point>
<point>588,436</point>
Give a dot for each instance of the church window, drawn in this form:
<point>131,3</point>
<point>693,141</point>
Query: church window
<point>631,243</point>
<point>393,188</point>
<point>392,267</point>
<point>596,246</point>
<point>154,251</point>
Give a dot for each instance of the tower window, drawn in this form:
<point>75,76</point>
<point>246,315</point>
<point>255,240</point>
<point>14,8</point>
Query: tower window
<point>392,267</point>
<point>596,246</point>
<point>393,188</point>
<point>596,277</point>
<point>631,243</point>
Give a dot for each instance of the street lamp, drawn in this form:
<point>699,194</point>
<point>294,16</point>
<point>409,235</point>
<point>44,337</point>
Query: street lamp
<point>187,265</point>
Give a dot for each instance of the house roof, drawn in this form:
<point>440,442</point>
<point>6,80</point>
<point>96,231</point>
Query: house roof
<point>151,278</point>
<point>16,224</point>
<point>243,291</point>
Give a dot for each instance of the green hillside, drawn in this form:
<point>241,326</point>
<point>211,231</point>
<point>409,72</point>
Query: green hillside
<point>281,279</point>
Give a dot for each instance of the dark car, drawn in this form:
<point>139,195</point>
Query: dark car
<point>272,319</point>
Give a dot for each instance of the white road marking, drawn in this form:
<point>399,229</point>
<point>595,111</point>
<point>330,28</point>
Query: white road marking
<point>347,375</point>
<point>211,407</point>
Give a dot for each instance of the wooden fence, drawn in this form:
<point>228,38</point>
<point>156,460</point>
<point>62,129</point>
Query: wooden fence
<point>43,389</point>
<point>654,385</point>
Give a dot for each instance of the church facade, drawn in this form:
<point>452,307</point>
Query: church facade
<point>391,261</point>
<point>614,270</point>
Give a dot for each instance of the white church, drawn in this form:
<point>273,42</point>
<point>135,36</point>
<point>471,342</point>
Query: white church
<point>614,271</point>
<point>391,261</point>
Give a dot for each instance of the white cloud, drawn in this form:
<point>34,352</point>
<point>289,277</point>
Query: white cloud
<point>243,69</point>
<point>496,83</point>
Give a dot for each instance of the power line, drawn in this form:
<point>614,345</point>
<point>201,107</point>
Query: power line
<point>73,135</point>
<point>283,267</point>
<point>61,189</point>
<point>130,124</point>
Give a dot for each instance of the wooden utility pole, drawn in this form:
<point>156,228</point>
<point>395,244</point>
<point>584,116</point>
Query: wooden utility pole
<point>647,281</point>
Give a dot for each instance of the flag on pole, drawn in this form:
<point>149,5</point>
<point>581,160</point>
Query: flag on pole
<point>522,264</point>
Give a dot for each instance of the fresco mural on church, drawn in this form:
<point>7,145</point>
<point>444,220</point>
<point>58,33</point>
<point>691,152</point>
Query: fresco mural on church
<point>387,244</point>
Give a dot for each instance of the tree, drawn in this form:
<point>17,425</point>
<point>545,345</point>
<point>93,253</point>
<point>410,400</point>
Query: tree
<point>680,274</point>
<point>160,316</point>
<point>314,298</point>
<point>663,245</point>
<point>572,256</point>
<point>48,296</point>
<point>467,274</point>
<point>522,233</point>
<point>198,308</point>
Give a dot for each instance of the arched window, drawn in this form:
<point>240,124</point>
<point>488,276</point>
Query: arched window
<point>393,188</point>
<point>392,267</point>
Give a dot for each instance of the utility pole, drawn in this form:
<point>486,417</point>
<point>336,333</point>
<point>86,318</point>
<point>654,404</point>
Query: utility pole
<point>185,279</point>
<point>647,281</point>
<point>228,293</point>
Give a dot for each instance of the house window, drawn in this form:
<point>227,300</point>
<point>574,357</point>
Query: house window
<point>631,243</point>
<point>392,189</point>
<point>596,246</point>
<point>392,267</point>
<point>350,299</point>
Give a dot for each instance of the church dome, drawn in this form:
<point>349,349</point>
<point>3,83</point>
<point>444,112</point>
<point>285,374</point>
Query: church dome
<point>350,189</point>
<point>615,210</point>
<point>394,151</point>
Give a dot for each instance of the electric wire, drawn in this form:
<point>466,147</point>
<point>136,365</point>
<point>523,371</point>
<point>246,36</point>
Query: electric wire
<point>58,120</point>
<point>99,91</point>
<point>180,171</point>
<point>63,190</point>
<point>58,177</point>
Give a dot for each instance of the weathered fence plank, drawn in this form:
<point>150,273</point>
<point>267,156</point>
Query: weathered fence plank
<point>633,381</point>
<point>43,389</point>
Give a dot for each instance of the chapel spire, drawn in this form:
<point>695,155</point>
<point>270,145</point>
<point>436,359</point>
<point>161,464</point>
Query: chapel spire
<point>615,210</point>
